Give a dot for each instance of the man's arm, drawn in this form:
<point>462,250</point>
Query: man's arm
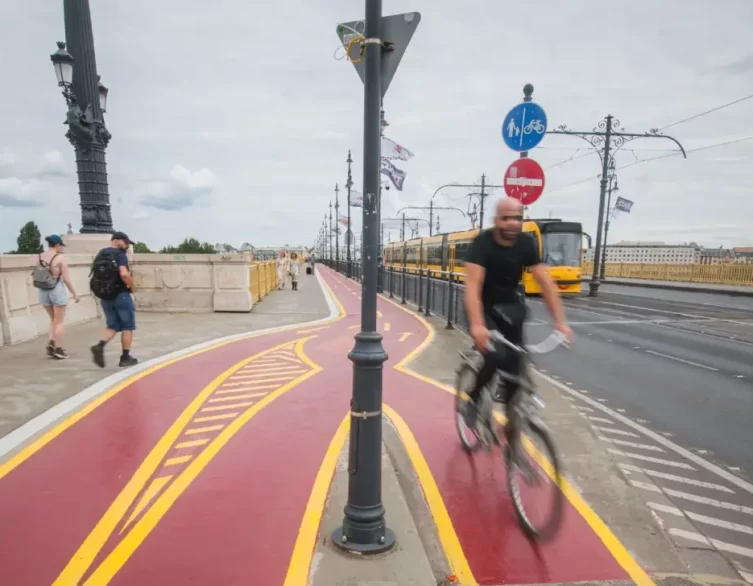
<point>125,273</point>
<point>474,280</point>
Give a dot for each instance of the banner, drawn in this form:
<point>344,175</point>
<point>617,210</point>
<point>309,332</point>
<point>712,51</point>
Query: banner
<point>342,219</point>
<point>397,176</point>
<point>356,199</point>
<point>623,205</point>
<point>393,151</point>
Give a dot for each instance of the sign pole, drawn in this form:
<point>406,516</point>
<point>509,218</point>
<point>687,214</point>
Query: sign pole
<point>527,97</point>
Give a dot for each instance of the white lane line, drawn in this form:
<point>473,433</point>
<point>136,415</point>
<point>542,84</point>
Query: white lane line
<point>701,317</point>
<point>720,523</point>
<point>688,455</point>
<point>581,408</point>
<point>635,445</point>
<point>720,545</point>
<point>661,461</point>
<point>617,431</point>
<point>702,500</point>
<point>746,576</point>
<point>674,478</point>
<point>600,419</point>
<point>665,509</point>
<point>645,486</point>
<point>681,360</point>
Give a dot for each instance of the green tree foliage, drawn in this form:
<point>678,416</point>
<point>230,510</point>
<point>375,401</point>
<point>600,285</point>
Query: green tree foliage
<point>190,246</point>
<point>29,239</point>
<point>140,247</point>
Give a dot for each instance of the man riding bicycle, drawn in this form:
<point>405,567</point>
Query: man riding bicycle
<point>493,270</point>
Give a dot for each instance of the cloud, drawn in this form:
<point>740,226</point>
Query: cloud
<point>53,165</point>
<point>181,190</point>
<point>7,158</point>
<point>140,215</point>
<point>15,193</point>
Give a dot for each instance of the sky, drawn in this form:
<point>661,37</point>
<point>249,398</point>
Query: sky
<point>232,121</point>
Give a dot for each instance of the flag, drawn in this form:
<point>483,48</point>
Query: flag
<point>342,219</point>
<point>623,204</point>
<point>397,176</point>
<point>393,151</point>
<point>356,199</point>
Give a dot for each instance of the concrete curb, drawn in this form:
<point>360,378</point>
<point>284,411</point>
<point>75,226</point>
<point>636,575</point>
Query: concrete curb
<point>680,287</point>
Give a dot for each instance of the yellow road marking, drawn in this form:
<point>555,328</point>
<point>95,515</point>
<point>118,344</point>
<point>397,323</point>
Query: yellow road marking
<point>287,359</point>
<point>404,336</point>
<point>216,417</point>
<point>152,490</point>
<point>387,327</point>
<point>311,330</point>
<point>266,370</point>
<point>198,430</point>
<point>616,548</point>
<point>236,398</point>
<point>246,389</point>
<point>286,373</point>
<point>447,535</point>
<point>143,527</point>
<point>260,379</point>
<point>223,407</point>
<point>379,313</point>
<point>94,542</point>
<point>300,561</point>
<point>178,460</point>
<point>192,443</point>
<point>354,327</point>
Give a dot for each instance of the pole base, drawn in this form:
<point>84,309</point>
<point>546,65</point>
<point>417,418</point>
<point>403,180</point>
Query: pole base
<point>593,288</point>
<point>385,541</point>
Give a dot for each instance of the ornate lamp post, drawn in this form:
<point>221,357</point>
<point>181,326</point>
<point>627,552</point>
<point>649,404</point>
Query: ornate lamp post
<point>86,99</point>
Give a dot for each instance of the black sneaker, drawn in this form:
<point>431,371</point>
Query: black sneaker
<point>98,354</point>
<point>50,348</point>
<point>130,361</point>
<point>59,354</point>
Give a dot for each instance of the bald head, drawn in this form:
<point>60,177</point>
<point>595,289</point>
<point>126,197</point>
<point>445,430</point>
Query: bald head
<point>509,219</point>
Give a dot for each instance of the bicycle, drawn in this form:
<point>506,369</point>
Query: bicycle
<point>524,421</point>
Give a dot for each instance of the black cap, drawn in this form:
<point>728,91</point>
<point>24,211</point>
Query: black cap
<point>121,236</point>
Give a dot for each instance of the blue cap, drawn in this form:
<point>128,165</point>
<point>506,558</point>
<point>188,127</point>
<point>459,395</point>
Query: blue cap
<point>54,240</point>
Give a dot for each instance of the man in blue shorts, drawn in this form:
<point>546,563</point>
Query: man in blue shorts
<point>112,283</point>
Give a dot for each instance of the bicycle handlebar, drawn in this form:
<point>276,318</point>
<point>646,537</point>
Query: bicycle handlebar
<point>550,343</point>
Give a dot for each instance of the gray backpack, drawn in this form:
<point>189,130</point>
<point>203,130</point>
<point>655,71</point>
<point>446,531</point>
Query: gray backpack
<point>42,275</point>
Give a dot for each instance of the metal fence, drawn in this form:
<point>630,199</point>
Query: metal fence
<point>725,274</point>
<point>434,292</point>
<point>262,279</point>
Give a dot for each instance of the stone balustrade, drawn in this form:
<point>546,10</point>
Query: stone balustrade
<point>164,282</point>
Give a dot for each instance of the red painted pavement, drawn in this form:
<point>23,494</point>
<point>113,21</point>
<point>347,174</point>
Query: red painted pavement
<point>238,521</point>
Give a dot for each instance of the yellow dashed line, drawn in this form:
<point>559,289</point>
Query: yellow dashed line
<point>387,327</point>
<point>265,370</point>
<point>354,327</point>
<point>224,399</point>
<point>225,407</point>
<point>192,443</point>
<point>204,429</point>
<point>404,336</point>
<point>149,494</point>
<point>178,460</point>
<point>245,389</point>
<point>379,313</point>
<point>246,380</point>
<point>216,417</point>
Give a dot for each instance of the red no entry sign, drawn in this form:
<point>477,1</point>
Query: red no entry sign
<point>524,181</point>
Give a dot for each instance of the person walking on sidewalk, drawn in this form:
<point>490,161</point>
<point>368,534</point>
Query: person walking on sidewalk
<point>294,270</point>
<point>112,282</point>
<point>283,265</point>
<point>51,278</point>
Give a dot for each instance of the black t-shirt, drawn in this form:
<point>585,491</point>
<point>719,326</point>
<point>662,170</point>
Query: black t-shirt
<point>504,265</point>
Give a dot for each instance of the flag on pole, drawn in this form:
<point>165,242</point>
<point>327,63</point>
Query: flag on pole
<point>623,205</point>
<point>397,176</point>
<point>342,219</point>
<point>356,199</point>
<point>393,151</point>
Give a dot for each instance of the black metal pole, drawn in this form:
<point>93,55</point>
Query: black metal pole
<point>483,195</point>
<point>606,222</point>
<point>86,126</point>
<point>350,230</point>
<point>337,227</point>
<point>331,256</point>
<point>431,217</point>
<point>527,97</point>
<point>593,286</point>
<point>364,529</point>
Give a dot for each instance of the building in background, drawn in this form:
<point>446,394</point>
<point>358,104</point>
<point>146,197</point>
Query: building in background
<point>743,254</point>
<point>650,253</point>
<point>715,256</point>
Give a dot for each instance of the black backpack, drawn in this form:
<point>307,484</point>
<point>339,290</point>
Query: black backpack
<point>105,282</point>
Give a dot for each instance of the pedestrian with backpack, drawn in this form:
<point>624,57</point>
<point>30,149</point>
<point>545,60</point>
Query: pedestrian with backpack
<point>112,283</point>
<point>51,277</point>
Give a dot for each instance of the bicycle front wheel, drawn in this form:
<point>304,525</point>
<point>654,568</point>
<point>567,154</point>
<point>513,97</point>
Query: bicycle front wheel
<point>534,481</point>
<point>464,383</point>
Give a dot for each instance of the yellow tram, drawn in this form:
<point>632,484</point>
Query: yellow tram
<point>559,245</point>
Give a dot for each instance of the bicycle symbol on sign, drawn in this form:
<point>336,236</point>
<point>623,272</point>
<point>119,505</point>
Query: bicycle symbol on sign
<point>534,126</point>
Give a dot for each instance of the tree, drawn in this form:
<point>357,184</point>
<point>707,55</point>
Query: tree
<point>140,247</point>
<point>190,246</point>
<point>29,239</point>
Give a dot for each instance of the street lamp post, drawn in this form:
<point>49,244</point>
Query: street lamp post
<point>337,227</point>
<point>607,138</point>
<point>86,98</point>
<point>349,233</point>
<point>612,187</point>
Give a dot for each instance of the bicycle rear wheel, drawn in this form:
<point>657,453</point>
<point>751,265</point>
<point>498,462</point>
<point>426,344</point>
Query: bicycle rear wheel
<point>464,383</point>
<point>531,467</point>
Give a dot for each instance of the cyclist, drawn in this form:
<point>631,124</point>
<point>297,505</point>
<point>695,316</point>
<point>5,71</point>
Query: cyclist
<point>493,268</point>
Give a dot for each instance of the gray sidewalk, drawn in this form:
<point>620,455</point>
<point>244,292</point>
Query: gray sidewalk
<point>31,383</point>
<point>735,290</point>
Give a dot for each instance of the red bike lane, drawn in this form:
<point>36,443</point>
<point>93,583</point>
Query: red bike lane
<point>474,488</point>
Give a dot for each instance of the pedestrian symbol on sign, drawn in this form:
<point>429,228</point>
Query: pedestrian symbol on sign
<point>512,129</point>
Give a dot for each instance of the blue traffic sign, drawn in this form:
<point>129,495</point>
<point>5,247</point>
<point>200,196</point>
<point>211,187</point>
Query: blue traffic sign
<point>524,126</point>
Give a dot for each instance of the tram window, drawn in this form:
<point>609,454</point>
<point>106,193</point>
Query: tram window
<point>461,250</point>
<point>411,255</point>
<point>435,254</point>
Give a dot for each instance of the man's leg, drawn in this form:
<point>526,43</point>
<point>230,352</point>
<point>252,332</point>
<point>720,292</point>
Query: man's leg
<point>513,331</point>
<point>127,317</point>
<point>113,326</point>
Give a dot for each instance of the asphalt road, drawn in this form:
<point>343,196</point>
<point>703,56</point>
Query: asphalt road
<point>683,362</point>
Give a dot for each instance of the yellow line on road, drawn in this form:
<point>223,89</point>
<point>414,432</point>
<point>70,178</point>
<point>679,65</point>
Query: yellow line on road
<point>192,443</point>
<point>305,543</point>
<point>235,398</point>
<point>198,430</point>
<point>379,313</point>
<point>311,330</point>
<point>404,336</point>
<point>354,327</point>
<point>177,460</point>
<point>216,417</point>
<point>246,380</point>
<point>225,407</point>
<point>254,387</point>
<point>387,327</point>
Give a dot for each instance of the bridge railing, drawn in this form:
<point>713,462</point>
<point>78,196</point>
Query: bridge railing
<point>723,274</point>
<point>262,279</point>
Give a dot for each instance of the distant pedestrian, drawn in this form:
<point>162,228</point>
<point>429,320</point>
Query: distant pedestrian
<point>51,278</point>
<point>112,283</point>
<point>283,265</point>
<point>294,270</point>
